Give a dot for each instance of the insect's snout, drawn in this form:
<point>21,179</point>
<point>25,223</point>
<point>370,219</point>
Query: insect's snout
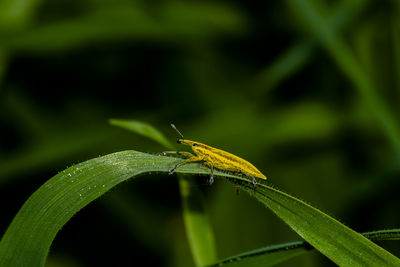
<point>179,141</point>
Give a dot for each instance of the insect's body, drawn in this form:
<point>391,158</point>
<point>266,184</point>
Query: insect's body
<point>215,158</point>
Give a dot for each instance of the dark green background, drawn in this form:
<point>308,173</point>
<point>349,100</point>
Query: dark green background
<point>308,91</point>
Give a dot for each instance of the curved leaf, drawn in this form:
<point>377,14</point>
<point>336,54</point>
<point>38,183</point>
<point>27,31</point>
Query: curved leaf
<point>28,238</point>
<point>336,241</point>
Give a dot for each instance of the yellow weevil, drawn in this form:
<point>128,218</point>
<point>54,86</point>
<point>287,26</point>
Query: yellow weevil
<point>215,158</point>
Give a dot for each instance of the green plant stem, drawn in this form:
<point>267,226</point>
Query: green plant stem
<point>275,254</point>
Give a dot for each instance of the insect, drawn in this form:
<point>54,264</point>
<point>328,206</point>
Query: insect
<point>214,158</point>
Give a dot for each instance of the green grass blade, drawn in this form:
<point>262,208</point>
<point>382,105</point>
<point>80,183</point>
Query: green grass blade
<point>336,241</point>
<point>143,129</point>
<point>316,24</point>
<point>271,255</point>
<point>197,224</point>
<point>285,65</point>
<point>296,56</point>
<point>268,256</point>
<point>393,234</point>
<point>28,238</point>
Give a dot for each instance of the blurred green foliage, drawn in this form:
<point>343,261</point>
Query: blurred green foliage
<point>307,90</point>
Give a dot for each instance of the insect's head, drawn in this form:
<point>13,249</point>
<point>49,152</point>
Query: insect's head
<point>183,140</point>
<point>188,143</point>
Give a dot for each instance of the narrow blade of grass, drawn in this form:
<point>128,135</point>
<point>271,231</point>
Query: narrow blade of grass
<point>268,256</point>
<point>296,56</point>
<point>197,224</point>
<point>143,129</point>
<point>286,64</point>
<point>393,234</point>
<point>336,241</point>
<point>271,255</point>
<point>316,24</point>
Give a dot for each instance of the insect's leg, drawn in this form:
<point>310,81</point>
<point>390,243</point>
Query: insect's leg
<point>252,178</point>
<point>254,181</point>
<point>191,159</point>
<point>186,154</point>
<point>211,181</point>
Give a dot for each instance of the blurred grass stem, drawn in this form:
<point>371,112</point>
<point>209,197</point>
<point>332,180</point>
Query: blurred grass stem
<point>345,59</point>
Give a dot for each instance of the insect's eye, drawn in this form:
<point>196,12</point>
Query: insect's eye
<point>194,144</point>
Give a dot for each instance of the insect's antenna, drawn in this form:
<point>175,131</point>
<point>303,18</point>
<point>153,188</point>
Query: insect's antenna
<point>176,129</point>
